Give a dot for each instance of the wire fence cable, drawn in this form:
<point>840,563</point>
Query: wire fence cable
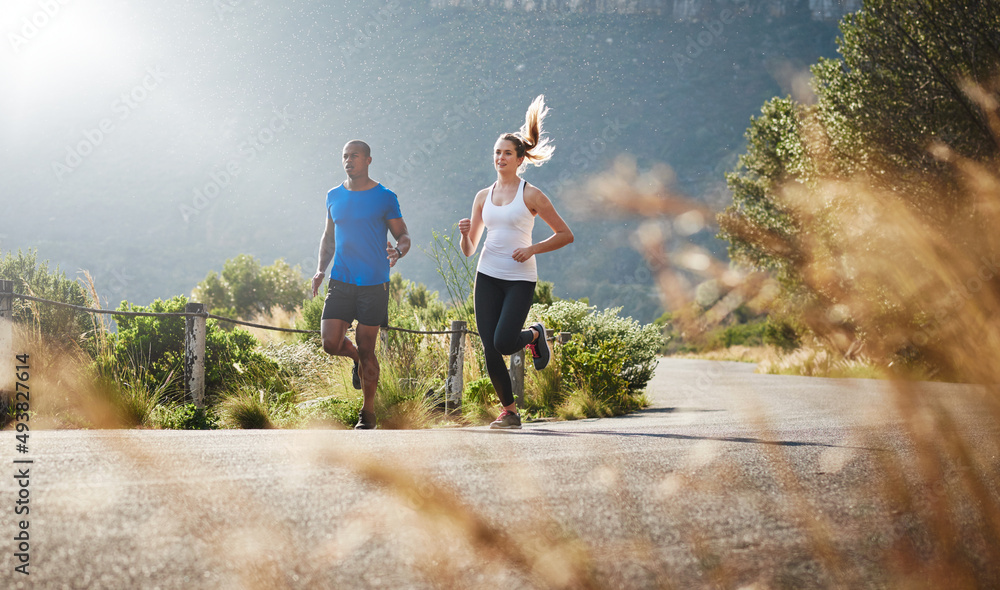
<point>187,314</point>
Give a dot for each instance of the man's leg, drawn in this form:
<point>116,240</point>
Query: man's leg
<point>367,337</point>
<point>335,340</point>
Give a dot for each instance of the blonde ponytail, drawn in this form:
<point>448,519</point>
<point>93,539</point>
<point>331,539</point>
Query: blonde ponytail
<point>530,144</point>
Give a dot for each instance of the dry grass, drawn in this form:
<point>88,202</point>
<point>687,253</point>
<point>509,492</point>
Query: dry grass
<point>739,353</point>
<point>278,318</point>
<point>808,361</point>
<point>882,273</point>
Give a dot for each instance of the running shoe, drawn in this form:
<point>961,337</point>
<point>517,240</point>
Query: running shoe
<point>355,376</point>
<point>366,421</point>
<point>507,420</point>
<point>540,353</point>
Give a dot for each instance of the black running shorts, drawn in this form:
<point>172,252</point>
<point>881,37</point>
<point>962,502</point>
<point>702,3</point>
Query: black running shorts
<point>369,304</point>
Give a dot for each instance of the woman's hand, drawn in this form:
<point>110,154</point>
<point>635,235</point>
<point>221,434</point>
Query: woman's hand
<point>522,254</point>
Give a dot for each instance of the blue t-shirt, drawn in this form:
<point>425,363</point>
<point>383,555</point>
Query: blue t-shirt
<point>360,227</point>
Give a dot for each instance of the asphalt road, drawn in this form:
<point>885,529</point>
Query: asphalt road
<point>731,480</point>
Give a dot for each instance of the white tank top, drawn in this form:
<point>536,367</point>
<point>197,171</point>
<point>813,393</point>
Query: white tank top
<point>507,228</point>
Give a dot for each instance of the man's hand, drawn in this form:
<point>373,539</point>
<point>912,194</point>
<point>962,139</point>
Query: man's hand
<point>392,254</point>
<point>318,282</point>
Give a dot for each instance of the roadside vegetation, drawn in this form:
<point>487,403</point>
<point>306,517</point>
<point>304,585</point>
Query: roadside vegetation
<point>862,214</point>
<point>258,378</point>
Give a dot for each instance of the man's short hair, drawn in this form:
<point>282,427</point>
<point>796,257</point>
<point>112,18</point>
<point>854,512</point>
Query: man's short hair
<point>364,146</point>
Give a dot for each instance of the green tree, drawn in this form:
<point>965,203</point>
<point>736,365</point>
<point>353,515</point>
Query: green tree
<point>245,288</point>
<point>901,84</point>
<point>812,192</point>
<point>33,278</point>
<point>758,225</point>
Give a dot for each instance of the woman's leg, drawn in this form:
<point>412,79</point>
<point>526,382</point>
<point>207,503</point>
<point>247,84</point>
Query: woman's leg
<point>489,303</point>
<point>510,336</point>
<point>501,308</point>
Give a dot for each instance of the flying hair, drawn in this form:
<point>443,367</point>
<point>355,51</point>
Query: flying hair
<point>528,141</point>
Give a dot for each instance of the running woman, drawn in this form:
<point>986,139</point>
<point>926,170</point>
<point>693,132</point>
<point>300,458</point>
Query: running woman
<point>506,275</point>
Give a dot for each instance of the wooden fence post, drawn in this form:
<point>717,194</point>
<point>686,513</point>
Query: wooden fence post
<point>517,377</point>
<point>456,361</point>
<point>565,337</point>
<point>7,338</point>
<point>194,354</point>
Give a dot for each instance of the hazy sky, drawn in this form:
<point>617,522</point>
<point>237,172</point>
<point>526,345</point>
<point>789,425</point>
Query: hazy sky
<point>147,142</point>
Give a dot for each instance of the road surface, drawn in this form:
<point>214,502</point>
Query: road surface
<point>730,480</point>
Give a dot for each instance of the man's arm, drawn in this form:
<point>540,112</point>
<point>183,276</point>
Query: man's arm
<point>327,246</point>
<point>397,227</point>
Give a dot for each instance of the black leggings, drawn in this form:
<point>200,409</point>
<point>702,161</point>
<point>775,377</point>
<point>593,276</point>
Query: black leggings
<point>501,308</point>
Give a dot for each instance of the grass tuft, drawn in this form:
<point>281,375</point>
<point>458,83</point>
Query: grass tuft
<point>245,408</point>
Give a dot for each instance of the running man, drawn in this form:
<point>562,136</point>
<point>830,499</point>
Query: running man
<point>506,275</point>
<point>359,213</point>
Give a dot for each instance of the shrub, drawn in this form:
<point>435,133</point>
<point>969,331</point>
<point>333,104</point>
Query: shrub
<point>543,390</point>
<point>404,345</point>
<point>782,334</point>
<point>229,356</point>
<point>635,345</point>
<point>543,293</point>
<point>750,334</point>
<point>479,401</point>
<point>340,411</point>
<point>563,316</point>
<point>599,372</point>
<point>609,356</point>
<point>184,417</point>
<point>311,316</point>
<point>415,304</point>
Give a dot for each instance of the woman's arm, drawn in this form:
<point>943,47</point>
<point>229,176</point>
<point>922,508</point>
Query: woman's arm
<point>540,205</point>
<point>472,229</point>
